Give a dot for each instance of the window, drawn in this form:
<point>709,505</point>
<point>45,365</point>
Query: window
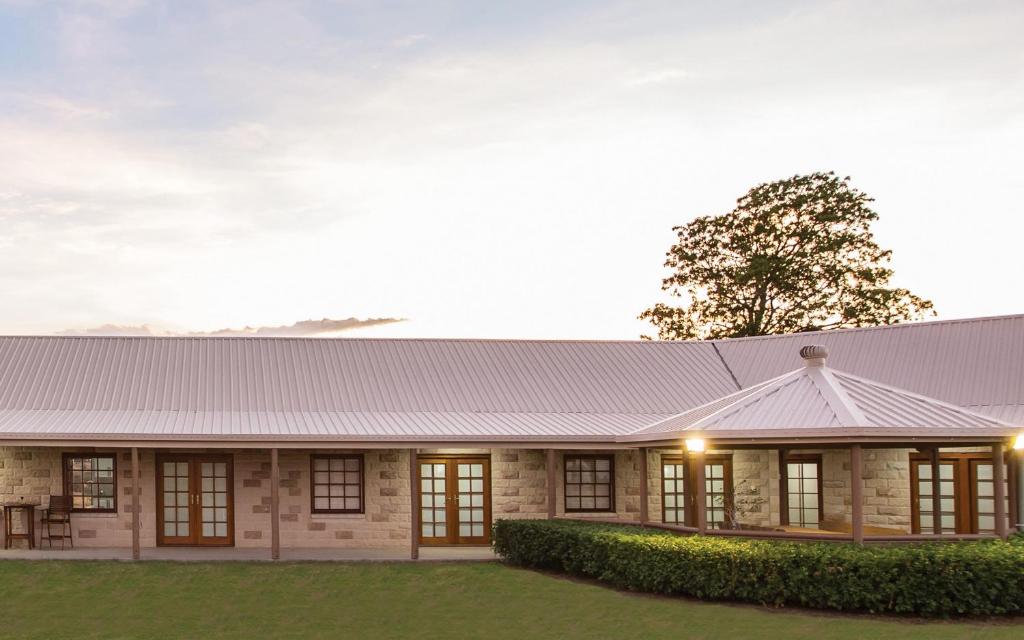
<point>677,478</point>
<point>803,490</point>
<point>337,483</point>
<point>89,481</point>
<point>983,487</point>
<point>589,483</point>
<point>923,520</point>
<point>718,490</point>
<point>966,493</point>
<point>673,491</point>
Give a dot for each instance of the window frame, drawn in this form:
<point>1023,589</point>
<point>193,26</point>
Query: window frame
<point>313,484</point>
<point>687,479</point>
<point>965,498</point>
<point>690,483</point>
<point>804,458</point>
<point>67,458</point>
<point>611,481</point>
<point>724,459</point>
<point>960,520</point>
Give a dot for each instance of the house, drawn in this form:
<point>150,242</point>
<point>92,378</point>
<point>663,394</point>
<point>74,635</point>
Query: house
<point>377,444</point>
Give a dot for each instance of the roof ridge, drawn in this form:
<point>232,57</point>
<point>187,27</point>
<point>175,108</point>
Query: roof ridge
<point>37,336</point>
<point>881,327</point>
<point>762,393</point>
<point>901,325</point>
<point>736,381</point>
<point>833,394</point>
<point>919,397</point>
<point>743,394</point>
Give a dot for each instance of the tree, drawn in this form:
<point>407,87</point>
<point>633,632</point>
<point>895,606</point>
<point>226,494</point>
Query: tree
<point>794,255</point>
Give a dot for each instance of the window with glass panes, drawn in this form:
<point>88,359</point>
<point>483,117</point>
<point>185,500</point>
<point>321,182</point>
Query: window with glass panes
<point>471,498</point>
<point>983,483</point>
<point>434,499</point>
<point>803,494</point>
<point>89,479</point>
<point>718,490</point>
<point>924,521</point>
<point>337,483</point>
<point>589,483</point>
<point>673,491</point>
<point>967,493</point>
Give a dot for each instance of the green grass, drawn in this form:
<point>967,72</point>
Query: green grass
<point>57,599</point>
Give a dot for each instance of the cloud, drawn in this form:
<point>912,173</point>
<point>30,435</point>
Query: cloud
<point>172,165</point>
<point>303,328</point>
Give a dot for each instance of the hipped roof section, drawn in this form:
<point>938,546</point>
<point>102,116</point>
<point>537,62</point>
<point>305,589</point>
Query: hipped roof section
<point>818,402</point>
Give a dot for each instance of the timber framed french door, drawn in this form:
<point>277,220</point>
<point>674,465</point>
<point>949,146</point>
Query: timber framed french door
<point>455,499</point>
<point>967,493</point>
<point>195,500</point>
<point>679,500</point>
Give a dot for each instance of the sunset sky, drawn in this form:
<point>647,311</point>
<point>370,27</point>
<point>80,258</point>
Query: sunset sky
<point>480,169</point>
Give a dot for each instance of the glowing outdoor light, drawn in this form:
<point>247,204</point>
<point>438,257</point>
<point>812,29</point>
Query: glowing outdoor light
<point>1019,442</point>
<point>695,444</point>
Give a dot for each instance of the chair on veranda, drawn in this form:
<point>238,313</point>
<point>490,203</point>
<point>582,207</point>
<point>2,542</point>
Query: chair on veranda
<point>57,514</point>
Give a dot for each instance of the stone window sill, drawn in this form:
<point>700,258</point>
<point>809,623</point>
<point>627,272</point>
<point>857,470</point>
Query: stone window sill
<point>337,516</point>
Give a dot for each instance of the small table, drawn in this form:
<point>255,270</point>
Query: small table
<point>30,530</point>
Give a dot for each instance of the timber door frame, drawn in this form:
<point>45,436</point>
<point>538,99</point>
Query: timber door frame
<point>690,515</point>
<point>195,539</point>
<point>965,487</point>
<point>451,463</point>
<point>784,492</point>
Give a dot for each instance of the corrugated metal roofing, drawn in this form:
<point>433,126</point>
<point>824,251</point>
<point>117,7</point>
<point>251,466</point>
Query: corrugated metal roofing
<point>977,362</point>
<point>328,425</point>
<point>1012,413</point>
<point>829,402</point>
<point>289,374</point>
<point>289,387</point>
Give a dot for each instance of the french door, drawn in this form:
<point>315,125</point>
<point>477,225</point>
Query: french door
<point>966,493</point>
<point>718,491</point>
<point>678,501</point>
<point>455,500</point>
<point>194,497</point>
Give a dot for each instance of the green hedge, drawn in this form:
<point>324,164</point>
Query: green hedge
<point>932,579</point>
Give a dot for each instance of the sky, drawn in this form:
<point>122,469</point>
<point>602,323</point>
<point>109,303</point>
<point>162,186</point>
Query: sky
<point>479,169</point>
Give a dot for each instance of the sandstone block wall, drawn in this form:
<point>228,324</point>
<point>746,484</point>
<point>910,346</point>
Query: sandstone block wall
<point>34,473</point>
<point>756,485</point>
<point>385,523</point>
<point>518,485</point>
<point>627,485</point>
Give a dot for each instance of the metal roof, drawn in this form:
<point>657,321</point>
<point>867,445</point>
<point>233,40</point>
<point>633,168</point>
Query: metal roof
<point>317,374</point>
<point>200,388</point>
<point>183,388</point>
<point>977,363</point>
<point>818,400</point>
<point>351,426</point>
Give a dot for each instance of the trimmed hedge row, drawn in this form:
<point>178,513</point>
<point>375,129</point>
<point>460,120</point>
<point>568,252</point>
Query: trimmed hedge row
<point>931,579</point>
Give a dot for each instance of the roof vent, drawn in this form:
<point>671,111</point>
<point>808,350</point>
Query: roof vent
<point>814,355</point>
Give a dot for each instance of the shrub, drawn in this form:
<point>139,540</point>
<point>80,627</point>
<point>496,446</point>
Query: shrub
<point>930,579</point>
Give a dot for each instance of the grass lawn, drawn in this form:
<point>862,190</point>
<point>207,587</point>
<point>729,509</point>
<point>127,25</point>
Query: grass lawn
<point>59,599</point>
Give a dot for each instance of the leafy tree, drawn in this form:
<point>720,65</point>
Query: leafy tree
<point>794,255</point>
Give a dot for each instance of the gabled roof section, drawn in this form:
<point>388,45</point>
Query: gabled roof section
<point>818,401</point>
